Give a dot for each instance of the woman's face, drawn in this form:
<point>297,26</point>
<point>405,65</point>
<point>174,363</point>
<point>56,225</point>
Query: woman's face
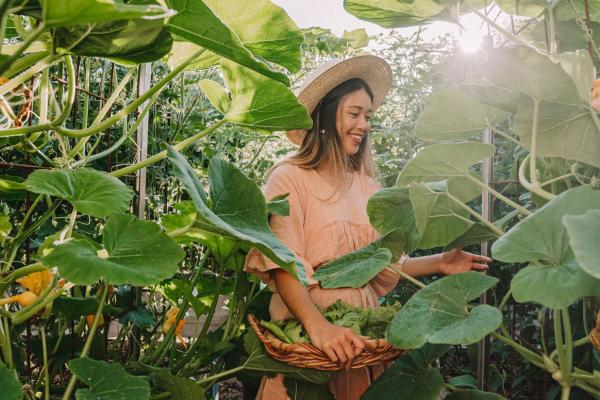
<point>352,120</point>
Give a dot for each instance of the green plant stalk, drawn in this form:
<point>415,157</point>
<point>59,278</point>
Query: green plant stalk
<point>45,359</point>
<point>552,30</point>
<point>163,154</point>
<point>5,341</point>
<point>21,238</point>
<point>220,375</point>
<point>407,277</point>
<point>27,75</point>
<point>28,214</point>
<point>505,299</point>
<point>105,109</point>
<point>499,195</point>
<point>535,184</point>
<point>86,96</point>
<point>64,113</point>
<point>563,361</point>
<point>5,64</point>
<point>44,93</point>
<point>475,214</point>
<point>45,297</point>
<point>209,317</point>
<point>88,343</point>
<point>504,135</point>
<point>131,107</point>
<point>529,355</point>
<point>514,38</point>
<point>558,178</point>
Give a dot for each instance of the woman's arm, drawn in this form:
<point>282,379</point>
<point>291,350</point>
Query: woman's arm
<point>339,343</point>
<point>450,262</point>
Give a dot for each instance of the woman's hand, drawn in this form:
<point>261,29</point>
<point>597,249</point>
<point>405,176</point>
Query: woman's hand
<point>340,344</point>
<point>458,261</point>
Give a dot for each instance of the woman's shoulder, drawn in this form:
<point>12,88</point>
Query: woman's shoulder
<point>285,171</point>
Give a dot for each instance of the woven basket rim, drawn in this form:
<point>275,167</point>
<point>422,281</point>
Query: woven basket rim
<point>306,355</point>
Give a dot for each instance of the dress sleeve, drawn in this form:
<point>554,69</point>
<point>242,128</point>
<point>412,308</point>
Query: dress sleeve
<point>385,281</point>
<point>290,229</point>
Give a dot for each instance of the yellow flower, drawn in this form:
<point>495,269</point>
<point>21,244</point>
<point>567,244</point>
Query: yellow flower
<point>36,281</point>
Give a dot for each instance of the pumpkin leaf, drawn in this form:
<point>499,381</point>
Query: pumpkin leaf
<point>476,234</point>
<point>213,34</point>
<point>438,313</point>
<point>443,161</point>
<point>250,107</point>
<point>238,214</point>
<point>216,94</point>
<point>411,377</point>
<point>355,269</point>
<point>450,114</point>
<point>58,13</point>
<point>584,237</point>
<point>279,205</point>
<point>107,381</point>
<point>11,387</point>
<point>138,253</point>
<point>92,192</point>
<point>396,14</point>
<point>526,8</point>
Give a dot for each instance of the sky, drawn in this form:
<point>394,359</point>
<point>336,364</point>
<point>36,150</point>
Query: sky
<point>331,14</point>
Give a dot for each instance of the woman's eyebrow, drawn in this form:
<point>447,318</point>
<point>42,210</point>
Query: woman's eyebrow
<point>359,107</point>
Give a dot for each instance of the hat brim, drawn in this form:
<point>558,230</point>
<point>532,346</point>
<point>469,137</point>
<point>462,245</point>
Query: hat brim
<point>375,71</point>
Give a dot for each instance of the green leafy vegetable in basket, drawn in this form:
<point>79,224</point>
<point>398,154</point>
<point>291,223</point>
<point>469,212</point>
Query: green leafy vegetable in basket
<point>363,321</point>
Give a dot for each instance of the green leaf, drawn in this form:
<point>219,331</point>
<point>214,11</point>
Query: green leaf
<point>75,307</point>
<point>466,380</point>
<point>390,209</point>
<point>438,215</point>
<point>5,226</point>
<point>107,381</point>
<point>216,94</point>
<point>541,236</point>
<point>128,41</point>
<point>80,12</point>
<point>178,290</point>
<point>442,161</point>
<point>252,107</point>
<point>139,316</point>
<point>92,192</point>
<point>196,22</point>
<point>180,388</point>
<point>11,387</point>
<point>301,390</point>
<point>138,254</point>
<point>526,8</point>
<point>357,38</point>
<point>264,28</point>
<point>470,394</point>
<point>584,237</point>
<point>12,188</point>
<point>476,234</point>
<point>450,114</point>
<point>396,13</point>
<point>554,279</point>
<point>410,378</point>
<point>258,360</point>
<point>438,313</point>
<point>279,205</point>
<point>579,66</point>
<point>355,269</point>
<point>239,210</point>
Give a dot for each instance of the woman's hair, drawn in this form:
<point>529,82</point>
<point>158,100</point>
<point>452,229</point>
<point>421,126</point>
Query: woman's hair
<point>322,142</point>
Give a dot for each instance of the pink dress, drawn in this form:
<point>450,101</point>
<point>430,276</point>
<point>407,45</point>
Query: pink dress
<point>320,228</point>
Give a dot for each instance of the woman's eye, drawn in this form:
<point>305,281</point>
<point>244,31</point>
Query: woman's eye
<point>354,115</point>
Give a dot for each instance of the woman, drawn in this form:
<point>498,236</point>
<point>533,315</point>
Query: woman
<point>329,181</point>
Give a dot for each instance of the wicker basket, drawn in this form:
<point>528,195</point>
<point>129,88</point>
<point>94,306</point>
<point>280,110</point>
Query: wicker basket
<point>306,355</point>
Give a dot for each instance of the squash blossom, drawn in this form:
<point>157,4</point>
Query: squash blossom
<point>35,283</point>
<point>171,316</point>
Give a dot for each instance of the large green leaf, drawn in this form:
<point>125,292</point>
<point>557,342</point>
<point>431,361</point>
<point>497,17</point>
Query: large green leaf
<point>584,237</point>
<point>526,8</point>
<point>259,361</point>
<point>196,22</point>
<point>216,94</point>
<point>541,236</point>
<point>80,12</point>
<point>390,210</point>
<point>476,234</point>
<point>92,192</point>
<point>239,210</point>
<point>471,394</point>
<point>180,388</point>
<point>564,10</point>
<point>11,387</point>
<point>261,103</point>
<point>355,269</point>
<point>443,161</point>
<point>5,226</point>
<point>554,286</point>
<point>138,253</point>
<point>128,41</point>
<point>107,381</point>
<point>438,214</point>
<point>438,313</point>
<point>396,13</point>
<point>411,377</point>
<point>75,307</point>
<point>178,290</point>
<point>554,279</point>
<point>264,29</point>
<point>450,114</point>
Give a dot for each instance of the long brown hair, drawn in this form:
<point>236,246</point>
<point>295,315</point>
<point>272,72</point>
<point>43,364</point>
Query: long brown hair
<point>322,143</point>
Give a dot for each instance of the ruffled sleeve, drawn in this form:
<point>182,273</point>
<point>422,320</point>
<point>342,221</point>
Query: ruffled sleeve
<point>290,229</point>
<point>385,281</point>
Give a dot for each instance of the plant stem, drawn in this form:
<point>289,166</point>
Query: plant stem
<point>163,154</point>
<point>529,355</point>
<point>220,375</point>
<point>566,319</point>
<point>88,343</point>
<point>504,135</point>
<point>505,299</point>
<point>499,196</point>
<point>45,358</point>
<point>5,64</point>
<point>475,214</point>
<point>407,277</point>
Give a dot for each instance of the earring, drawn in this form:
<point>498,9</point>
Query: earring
<point>322,131</point>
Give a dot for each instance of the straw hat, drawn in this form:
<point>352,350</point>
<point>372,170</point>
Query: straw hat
<point>374,70</point>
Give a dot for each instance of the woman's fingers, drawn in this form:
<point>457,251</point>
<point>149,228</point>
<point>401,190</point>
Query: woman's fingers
<point>359,344</point>
<point>480,267</point>
<point>347,346</point>
<point>330,353</point>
